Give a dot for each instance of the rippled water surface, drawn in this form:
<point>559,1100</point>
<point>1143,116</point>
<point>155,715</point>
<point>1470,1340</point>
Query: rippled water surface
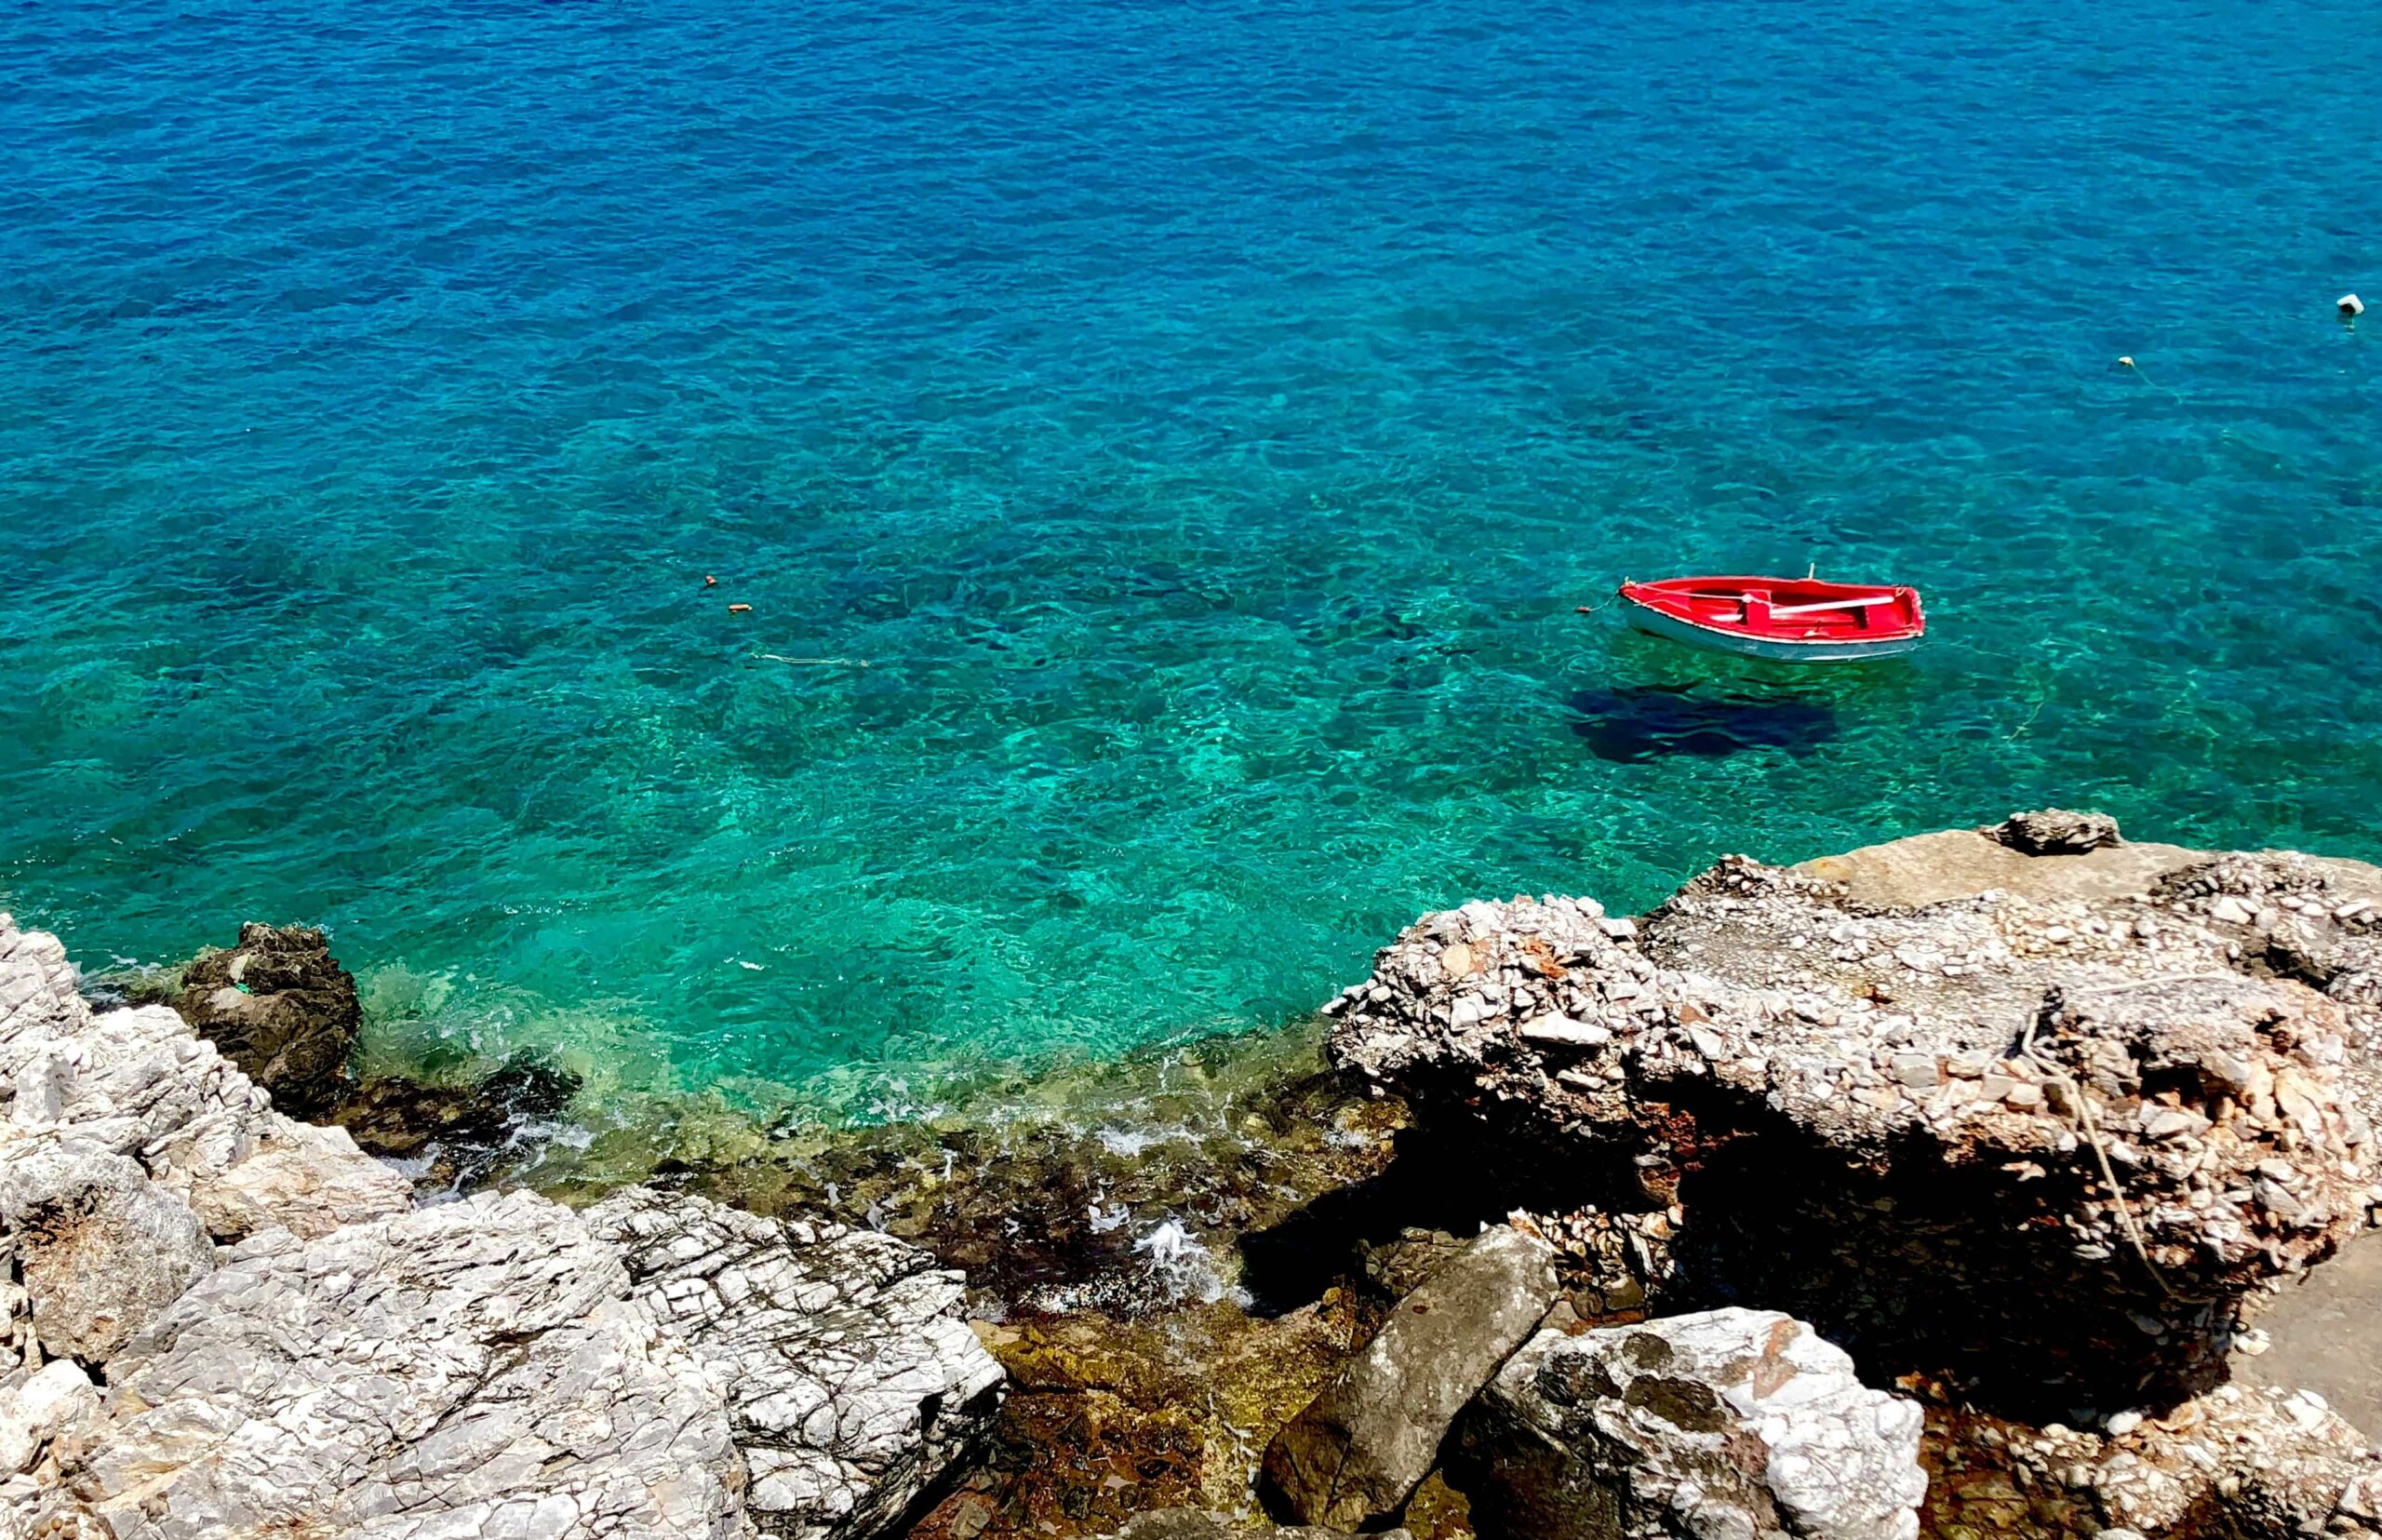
<point>1161,445</point>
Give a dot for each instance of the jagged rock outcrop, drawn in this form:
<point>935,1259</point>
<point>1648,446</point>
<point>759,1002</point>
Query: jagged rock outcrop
<point>852,1381</point>
<point>2047,1138</point>
<point>42,1415</point>
<point>1353,1456</point>
<point>661,1367</point>
<point>282,1009</point>
<point>1734,1422</point>
<point>472,1369</point>
<point>354,1366</point>
<point>308,1180</point>
<point>141,1084</point>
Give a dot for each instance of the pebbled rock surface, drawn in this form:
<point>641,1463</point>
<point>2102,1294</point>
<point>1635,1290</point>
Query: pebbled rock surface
<point>2050,1146</point>
<point>1736,1423</point>
<point>853,1381</point>
<point>1359,1450</point>
<point>2238,1462</point>
<point>279,1007</point>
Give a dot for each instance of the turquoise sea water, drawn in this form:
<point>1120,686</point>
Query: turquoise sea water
<point>1183,432</point>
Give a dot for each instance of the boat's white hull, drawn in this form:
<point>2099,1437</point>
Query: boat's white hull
<point>1655,623</point>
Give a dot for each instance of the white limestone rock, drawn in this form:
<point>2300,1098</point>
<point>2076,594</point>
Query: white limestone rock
<point>473,1369</point>
<point>1726,1425</point>
<point>57,1403</point>
<point>1797,1059</point>
<point>101,1249</point>
<point>308,1180</point>
<point>853,1380</point>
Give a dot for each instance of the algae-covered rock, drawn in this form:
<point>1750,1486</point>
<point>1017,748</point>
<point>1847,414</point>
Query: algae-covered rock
<point>1107,1418</point>
<point>457,1134</point>
<point>2056,831</point>
<point>1192,1524</point>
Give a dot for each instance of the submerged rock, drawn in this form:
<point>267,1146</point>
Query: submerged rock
<point>1107,1417</point>
<point>1734,1422</point>
<point>1992,1135</point>
<point>1192,1524</point>
<point>1117,1187</point>
<point>278,1006</point>
<point>1355,1455</point>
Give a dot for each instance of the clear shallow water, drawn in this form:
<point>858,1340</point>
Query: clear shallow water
<point>1200,420</point>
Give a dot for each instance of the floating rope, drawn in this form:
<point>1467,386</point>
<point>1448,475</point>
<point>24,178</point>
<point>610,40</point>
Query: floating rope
<point>2090,1129</point>
<point>2125,361</point>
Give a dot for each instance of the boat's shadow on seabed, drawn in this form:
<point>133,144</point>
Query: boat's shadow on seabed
<point>1632,724</point>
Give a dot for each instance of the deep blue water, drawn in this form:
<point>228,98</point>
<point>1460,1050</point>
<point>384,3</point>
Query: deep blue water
<point>1186,430</point>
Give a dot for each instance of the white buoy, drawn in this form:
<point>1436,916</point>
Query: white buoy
<point>2350,305</point>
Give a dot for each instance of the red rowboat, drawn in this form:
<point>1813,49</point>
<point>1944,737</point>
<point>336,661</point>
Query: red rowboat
<point>1792,619</point>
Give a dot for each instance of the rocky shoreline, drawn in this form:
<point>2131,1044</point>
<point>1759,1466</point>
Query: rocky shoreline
<point>1939,1189</point>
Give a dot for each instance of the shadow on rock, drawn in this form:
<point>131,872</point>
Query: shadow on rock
<point>1440,1183</point>
<point>1632,724</point>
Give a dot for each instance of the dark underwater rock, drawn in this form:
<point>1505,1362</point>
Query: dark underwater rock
<point>2056,831</point>
<point>456,1135</point>
<point>1192,1524</point>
